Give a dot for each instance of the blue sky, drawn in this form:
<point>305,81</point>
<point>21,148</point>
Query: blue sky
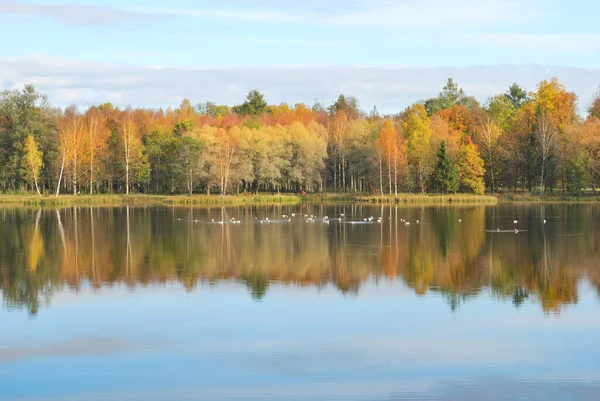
<point>133,52</point>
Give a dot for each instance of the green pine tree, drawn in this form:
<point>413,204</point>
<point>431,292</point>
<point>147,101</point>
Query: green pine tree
<point>444,178</point>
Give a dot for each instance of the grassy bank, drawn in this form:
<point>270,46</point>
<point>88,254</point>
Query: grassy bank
<point>216,200</point>
<point>116,200</point>
<point>552,198</point>
<point>409,199</point>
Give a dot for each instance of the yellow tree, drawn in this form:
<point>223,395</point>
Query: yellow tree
<point>69,143</point>
<point>560,106</point>
<point>545,132</point>
<point>77,152</point>
<point>222,145</point>
<point>32,161</point>
<point>95,124</point>
<point>338,125</point>
<point>416,127</point>
<point>392,151</point>
<point>487,133</point>
<point>131,142</point>
<point>470,167</point>
<point>594,108</point>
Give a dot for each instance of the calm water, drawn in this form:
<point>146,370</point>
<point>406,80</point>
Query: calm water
<point>153,303</point>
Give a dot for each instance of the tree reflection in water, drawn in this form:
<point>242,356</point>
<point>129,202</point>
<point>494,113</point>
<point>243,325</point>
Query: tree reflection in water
<point>452,250</point>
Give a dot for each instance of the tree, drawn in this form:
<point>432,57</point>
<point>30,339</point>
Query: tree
<point>451,95</point>
<point>393,152</point>
<point>594,108</point>
<point>487,134</point>
<point>77,147</point>
<point>338,125</point>
<point>309,151</point>
<point>70,145</point>
<point>96,141</point>
<point>131,144</point>
<point>212,110</point>
<point>545,132</point>
<point>470,168</point>
<point>516,96</point>
<point>590,142</point>
<point>222,149</point>
<point>254,105</point>
<point>416,127</point>
<point>190,149</point>
<point>33,161</point>
<point>25,112</point>
<point>444,178</point>
<point>348,105</point>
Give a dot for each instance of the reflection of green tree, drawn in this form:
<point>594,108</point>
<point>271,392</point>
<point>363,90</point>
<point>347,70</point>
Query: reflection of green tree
<point>455,299</point>
<point>258,284</point>
<point>445,229</point>
<point>520,295</point>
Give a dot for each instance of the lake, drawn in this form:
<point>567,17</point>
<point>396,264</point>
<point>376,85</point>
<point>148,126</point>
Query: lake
<point>174,303</point>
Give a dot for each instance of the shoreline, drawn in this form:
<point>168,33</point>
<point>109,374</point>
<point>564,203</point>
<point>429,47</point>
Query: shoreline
<point>266,199</point>
<point>263,199</point>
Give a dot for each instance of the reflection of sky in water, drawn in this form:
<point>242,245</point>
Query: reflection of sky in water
<point>216,343</point>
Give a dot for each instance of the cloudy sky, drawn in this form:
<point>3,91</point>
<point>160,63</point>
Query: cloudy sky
<point>388,53</point>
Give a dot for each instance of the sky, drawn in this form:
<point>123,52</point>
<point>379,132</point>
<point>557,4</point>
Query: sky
<point>388,53</point>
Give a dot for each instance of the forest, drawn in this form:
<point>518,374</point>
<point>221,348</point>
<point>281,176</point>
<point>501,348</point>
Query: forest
<point>533,142</point>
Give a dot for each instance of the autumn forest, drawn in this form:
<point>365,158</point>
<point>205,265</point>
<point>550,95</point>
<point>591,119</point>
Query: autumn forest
<point>515,141</point>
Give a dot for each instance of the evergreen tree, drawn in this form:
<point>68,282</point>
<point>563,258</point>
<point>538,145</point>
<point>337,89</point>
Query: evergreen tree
<point>254,105</point>
<point>444,178</point>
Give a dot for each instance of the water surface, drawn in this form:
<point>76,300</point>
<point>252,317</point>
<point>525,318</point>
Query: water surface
<point>172,303</point>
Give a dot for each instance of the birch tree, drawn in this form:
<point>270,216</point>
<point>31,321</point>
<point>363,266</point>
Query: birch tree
<point>97,134</point>
<point>32,161</point>
<point>545,132</point>
<point>486,137</point>
<point>131,141</point>
<point>69,133</point>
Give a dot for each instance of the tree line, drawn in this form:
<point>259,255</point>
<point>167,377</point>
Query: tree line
<point>516,140</point>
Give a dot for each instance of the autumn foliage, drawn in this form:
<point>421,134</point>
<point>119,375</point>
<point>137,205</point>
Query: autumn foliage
<point>514,141</point>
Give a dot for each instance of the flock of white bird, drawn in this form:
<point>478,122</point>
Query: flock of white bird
<point>309,218</point>
<point>326,220</point>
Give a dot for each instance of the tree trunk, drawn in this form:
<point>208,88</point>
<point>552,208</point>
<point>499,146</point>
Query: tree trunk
<point>542,178</point>
<point>344,173</point>
<point>395,178</point>
<point>127,176</point>
<point>37,188</point>
<point>381,175</point>
<point>92,173</point>
<point>492,171</point>
<point>62,168</point>
<point>389,177</point>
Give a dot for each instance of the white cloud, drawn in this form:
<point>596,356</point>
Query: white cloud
<point>72,14</point>
<point>390,88</point>
<point>397,14</point>
<point>565,42</point>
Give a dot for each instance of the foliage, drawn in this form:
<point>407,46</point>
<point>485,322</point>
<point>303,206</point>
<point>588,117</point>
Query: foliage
<point>451,95</point>
<point>527,142</point>
<point>32,160</point>
<point>470,168</point>
<point>254,105</point>
<point>444,177</point>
